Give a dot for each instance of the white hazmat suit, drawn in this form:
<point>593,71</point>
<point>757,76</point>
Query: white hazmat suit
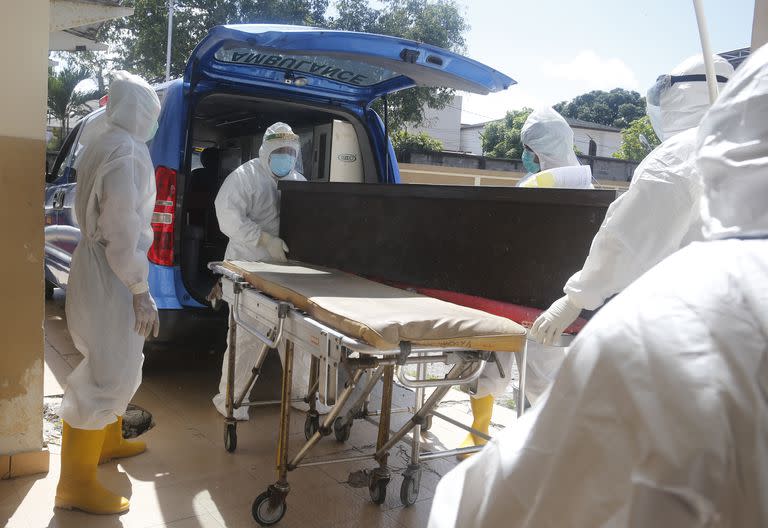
<point>113,206</point>
<point>658,215</point>
<point>659,415</point>
<point>550,137</point>
<point>248,211</point>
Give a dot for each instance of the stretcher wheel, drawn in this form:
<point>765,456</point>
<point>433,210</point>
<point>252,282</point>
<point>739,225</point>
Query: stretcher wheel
<point>265,513</point>
<point>230,437</point>
<point>341,430</point>
<point>409,490</point>
<point>311,425</point>
<point>378,490</point>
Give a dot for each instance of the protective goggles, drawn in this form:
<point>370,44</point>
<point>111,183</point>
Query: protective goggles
<point>664,82</point>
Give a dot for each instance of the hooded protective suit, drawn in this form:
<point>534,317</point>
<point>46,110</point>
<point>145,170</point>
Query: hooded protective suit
<point>113,206</point>
<point>659,415</point>
<point>550,137</point>
<point>630,240</point>
<point>548,134</point>
<point>248,210</point>
<point>248,203</point>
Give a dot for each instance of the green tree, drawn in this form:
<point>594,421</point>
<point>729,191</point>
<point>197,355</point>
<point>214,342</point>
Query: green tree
<point>98,64</point>
<point>403,142</point>
<point>139,40</point>
<point>616,108</point>
<point>436,22</point>
<point>501,139</point>
<point>64,102</point>
<point>632,145</point>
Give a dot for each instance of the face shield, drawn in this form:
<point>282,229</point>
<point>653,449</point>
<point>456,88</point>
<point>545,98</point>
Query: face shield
<point>280,152</point>
<point>665,82</point>
<point>677,102</point>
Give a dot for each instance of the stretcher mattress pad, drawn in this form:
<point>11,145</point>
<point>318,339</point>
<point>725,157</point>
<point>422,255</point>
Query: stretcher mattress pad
<point>380,315</point>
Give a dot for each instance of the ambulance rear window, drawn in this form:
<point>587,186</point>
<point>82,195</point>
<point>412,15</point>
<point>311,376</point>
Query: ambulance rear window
<point>340,70</point>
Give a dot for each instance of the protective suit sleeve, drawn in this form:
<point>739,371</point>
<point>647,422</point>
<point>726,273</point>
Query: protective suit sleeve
<point>121,225</point>
<point>232,205</point>
<point>641,228</point>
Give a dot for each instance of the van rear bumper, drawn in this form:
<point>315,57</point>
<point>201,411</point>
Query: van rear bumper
<point>192,325</point>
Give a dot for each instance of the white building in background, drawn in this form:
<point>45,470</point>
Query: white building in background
<point>594,139</point>
<point>443,125</point>
<point>589,138</point>
<point>470,138</point>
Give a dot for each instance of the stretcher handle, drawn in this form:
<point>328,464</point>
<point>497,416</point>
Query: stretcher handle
<point>412,383</point>
<point>354,345</point>
<point>282,313</point>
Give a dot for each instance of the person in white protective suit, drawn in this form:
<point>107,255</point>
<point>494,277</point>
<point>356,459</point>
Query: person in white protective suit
<point>248,210</point>
<point>109,309</point>
<point>659,414</point>
<point>631,239</point>
<point>548,155</point>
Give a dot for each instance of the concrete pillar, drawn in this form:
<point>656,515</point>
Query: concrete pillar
<point>23,102</point>
<point>760,24</point>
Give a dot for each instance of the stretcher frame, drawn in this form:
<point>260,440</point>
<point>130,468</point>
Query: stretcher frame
<point>331,352</point>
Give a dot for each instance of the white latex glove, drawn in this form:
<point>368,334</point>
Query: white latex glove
<point>552,323</point>
<point>274,246</point>
<point>147,320</point>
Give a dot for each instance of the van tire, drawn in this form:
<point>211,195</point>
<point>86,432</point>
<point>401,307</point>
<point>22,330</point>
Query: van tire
<point>49,290</point>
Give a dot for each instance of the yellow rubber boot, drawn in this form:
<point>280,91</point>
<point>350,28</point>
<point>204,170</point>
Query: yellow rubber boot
<point>78,486</point>
<point>115,446</point>
<point>482,409</point>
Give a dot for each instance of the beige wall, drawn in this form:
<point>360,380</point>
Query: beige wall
<point>439,175</point>
<point>24,61</point>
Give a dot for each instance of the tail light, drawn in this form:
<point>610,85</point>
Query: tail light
<point>104,100</point>
<point>161,251</point>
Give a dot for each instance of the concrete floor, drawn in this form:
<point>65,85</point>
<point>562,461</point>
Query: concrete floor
<point>187,480</point>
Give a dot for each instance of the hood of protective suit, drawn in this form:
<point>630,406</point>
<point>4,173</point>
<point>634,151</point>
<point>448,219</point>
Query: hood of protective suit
<point>683,104</point>
<point>278,136</point>
<point>733,155</point>
<point>550,137</point>
<point>133,105</point>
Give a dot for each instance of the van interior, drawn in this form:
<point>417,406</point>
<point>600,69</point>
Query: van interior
<point>227,131</point>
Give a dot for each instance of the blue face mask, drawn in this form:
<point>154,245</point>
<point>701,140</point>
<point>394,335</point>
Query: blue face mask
<point>281,164</point>
<point>528,163</point>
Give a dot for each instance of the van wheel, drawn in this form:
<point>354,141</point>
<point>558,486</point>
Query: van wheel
<point>49,290</point>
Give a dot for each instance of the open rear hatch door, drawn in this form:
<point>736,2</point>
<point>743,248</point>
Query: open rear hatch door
<point>339,65</point>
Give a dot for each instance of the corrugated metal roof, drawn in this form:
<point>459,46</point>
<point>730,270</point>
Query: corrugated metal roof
<point>580,123</point>
<point>89,31</point>
<point>736,57</point>
<point>574,123</point>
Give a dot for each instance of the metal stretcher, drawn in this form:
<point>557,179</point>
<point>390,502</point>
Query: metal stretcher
<point>264,303</point>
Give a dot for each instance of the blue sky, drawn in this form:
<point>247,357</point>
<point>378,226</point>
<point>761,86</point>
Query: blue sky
<point>557,49</point>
